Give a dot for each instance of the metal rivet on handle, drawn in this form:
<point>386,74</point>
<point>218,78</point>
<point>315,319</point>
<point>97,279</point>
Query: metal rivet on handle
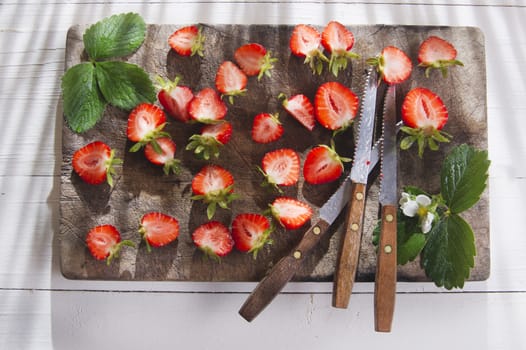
<point>359,196</point>
<point>389,218</point>
<point>297,254</point>
<point>316,230</point>
<point>355,227</point>
<point>388,249</point>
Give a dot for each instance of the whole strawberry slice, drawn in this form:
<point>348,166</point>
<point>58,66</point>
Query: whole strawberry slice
<point>230,80</point>
<point>214,239</point>
<point>338,40</point>
<point>166,158</point>
<point>435,52</point>
<point>305,41</point>
<point>175,98</point>
<point>187,41</point>
<point>424,115</point>
<point>251,232</point>
<point>207,107</point>
<point>213,136</point>
<point>299,107</point>
<point>335,106</point>
<point>323,165</point>
<point>213,185</point>
<point>145,124</point>
<point>290,212</point>
<point>158,229</point>
<point>254,59</point>
<point>280,168</point>
<point>266,128</point>
<point>104,242</point>
<point>393,65</point>
<point>95,162</point>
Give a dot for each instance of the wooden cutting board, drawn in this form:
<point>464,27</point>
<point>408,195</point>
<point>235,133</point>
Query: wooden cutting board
<point>141,187</point>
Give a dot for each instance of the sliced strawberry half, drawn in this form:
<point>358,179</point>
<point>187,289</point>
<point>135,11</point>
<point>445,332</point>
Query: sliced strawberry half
<point>424,115</point>
<point>335,106</point>
<point>254,59</point>
<point>305,41</point>
<point>207,107</point>
<point>164,156</point>
<point>435,52</point>
<point>187,41</point>
<point>323,165</point>
<point>300,107</point>
<point>338,40</point>
<point>393,65</point>
<point>145,124</point>
<point>104,242</point>
<point>208,144</point>
<point>251,232</point>
<point>214,239</point>
<point>175,98</point>
<point>95,162</point>
<point>213,185</point>
<point>280,168</point>
<point>230,80</point>
<point>158,229</point>
<point>290,212</point>
<point>266,128</point>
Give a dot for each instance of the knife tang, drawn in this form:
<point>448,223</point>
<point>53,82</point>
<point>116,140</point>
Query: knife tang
<point>282,272</point>
<point>385,284</point>
<point>347,263</point>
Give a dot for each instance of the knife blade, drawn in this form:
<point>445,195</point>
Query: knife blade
<point>286,267</point>
<point>347,262</point>
<point>385,283</point>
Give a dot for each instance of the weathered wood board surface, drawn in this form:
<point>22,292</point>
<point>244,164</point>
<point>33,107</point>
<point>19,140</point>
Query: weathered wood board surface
<point>141,187</point>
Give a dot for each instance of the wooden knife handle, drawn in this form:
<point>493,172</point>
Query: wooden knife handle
<point>350,249</point>
<point>281,273</point>
<point>385,285</point>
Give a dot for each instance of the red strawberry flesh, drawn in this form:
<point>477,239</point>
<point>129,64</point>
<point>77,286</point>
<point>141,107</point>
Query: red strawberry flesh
<point>300,107</point>
<point>290,212</point>
<point>143,121</point>
<point>266,128</point>
<point>423,109</point>
<point>250,232</point>
<point>322,165</point>
<point>101,240</point>
<point>335,105</point>
<point>213,238</point>
<point>207,107</point>
<point>159,229</point>
<point>282,166</point>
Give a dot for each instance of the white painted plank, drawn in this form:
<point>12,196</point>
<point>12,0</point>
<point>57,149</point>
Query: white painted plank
<point>87,320</point>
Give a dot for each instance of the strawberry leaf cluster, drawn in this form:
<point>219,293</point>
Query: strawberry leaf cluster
<point>447,251</point>
<point>88,87</point>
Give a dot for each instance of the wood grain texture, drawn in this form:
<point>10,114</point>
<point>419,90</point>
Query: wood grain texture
<point>385,282</point>
<point>141,187</point>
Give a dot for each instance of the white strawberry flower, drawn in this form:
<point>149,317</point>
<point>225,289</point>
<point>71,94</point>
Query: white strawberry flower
<point>420,205</point>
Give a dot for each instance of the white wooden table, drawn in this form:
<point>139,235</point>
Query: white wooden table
<point>39,309</point>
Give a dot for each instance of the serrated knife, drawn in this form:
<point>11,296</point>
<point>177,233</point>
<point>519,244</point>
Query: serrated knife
<point>347,261</point>
<point>385,283</point>
<point>285,269</point>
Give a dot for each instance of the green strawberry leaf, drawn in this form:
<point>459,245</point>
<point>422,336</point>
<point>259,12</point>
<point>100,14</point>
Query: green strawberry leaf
<point>124,85</point>
<point>463,177</point>
<point>115,36</point>
<point>410,241</point>
<point>449,253</point>
<point>83,103</point>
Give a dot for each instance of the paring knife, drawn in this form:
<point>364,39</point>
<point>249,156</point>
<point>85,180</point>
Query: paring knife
<point>284,270</point>
<point>347,262</point>
<point>385,284</point>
